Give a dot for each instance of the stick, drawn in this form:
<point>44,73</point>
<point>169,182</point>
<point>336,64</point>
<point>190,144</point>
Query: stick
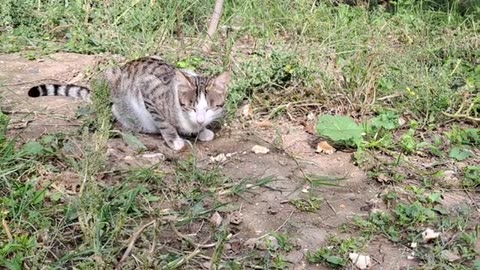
<point>212,27</point>
<point>132,244</point>
<point>7,229</point>
<point>189,240</point>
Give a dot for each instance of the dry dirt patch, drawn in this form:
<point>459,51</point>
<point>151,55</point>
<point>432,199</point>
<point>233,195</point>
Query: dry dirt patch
<point>264,210</point>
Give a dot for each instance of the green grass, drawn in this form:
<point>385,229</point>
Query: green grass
<point>416,61</point>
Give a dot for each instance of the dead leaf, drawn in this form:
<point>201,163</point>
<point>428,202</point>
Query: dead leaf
<point>258,149</point>
<point>324,147</point>
<point>216,219</point>
<point>382,178</point>
<point>219,158</point>
<point>236,218</point>
<point>360,261</point>
<point>264,124</point>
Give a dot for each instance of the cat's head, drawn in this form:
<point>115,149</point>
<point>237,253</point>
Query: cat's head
<point>201,98</point>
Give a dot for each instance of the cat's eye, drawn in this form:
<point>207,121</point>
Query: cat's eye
<point>219,106</point>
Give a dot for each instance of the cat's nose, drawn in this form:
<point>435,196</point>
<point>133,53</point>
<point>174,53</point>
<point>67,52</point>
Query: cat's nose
<point>200,120</point>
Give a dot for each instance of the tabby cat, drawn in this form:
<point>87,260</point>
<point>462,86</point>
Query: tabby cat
<point>151,96</point>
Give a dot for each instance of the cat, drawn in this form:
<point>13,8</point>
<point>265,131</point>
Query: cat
<point>151,96</point>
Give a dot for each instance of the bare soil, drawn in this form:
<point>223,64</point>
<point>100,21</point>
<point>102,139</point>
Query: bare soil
<point>264,209</point>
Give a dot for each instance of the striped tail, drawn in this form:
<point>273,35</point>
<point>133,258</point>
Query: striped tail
<point>68,90</point>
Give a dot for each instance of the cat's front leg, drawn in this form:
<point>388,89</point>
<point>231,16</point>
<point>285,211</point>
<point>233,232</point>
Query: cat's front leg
<point>172,138</point>
<point>169,132</point>
<point>206,135</point>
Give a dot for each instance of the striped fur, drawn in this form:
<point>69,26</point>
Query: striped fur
<point>151,96</point>
<point>67,90</point>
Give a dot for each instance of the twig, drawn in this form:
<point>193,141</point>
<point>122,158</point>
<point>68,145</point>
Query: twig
<point>189,240</point>
<point>179,262</point>
<point>462,116</point>
<point>331,207</point>
<point>212,27</point>
<point>132,244</point>
<point>7,229</point>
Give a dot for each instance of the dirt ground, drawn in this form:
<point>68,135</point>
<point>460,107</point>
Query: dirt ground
<point>264,209</point>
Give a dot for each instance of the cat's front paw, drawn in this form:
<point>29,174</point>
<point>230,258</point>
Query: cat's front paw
<point>177,144</point>
<point>206,135</point>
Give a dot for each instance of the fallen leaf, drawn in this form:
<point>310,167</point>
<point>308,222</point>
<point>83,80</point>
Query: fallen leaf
<point>429,234</point>
<point>216,219</point>
<point>324,147</point>
<point>236,218</point>
<point>360,261</point>
<point>264,124</point>
<point>258,149</point>
<point>382,178</point>
<point>219,158</point>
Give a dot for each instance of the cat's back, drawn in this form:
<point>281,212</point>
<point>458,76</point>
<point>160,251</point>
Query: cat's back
<point>149,66</point>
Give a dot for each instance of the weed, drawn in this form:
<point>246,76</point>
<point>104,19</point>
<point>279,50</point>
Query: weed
<point>336,254</point>
<point>312,204</point>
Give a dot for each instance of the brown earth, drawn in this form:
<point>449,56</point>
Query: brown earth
<point>264,209</point>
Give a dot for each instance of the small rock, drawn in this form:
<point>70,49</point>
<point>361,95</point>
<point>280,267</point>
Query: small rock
<point>413,245</point>
<point>430,234</point>
<point>401,121</point>
<point>216,219</point>
<point>258,149</point>
<point>360,261</point>
<point>246,112</point>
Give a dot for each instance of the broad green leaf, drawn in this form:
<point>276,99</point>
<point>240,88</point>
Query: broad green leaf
<point>32,148</point>
<point>386,120</point>
<point>340,129</point>
<point>133,141</point>
<point>460,153</point>
<point>336,260</point>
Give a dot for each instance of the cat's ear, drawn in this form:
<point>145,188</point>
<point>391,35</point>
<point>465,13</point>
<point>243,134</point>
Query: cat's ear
<point>184,82</point>
<point>221,82</point>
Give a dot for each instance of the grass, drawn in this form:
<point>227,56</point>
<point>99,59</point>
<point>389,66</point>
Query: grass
<point>408,74</point>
